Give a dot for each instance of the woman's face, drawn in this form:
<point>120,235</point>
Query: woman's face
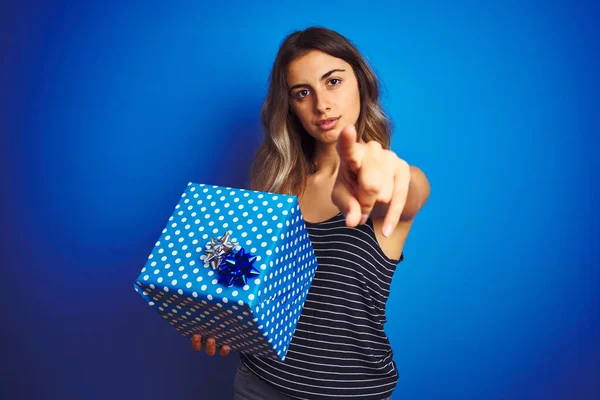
<point>323,94</point>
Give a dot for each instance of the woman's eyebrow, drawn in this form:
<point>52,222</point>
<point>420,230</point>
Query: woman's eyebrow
<point>325,76</point>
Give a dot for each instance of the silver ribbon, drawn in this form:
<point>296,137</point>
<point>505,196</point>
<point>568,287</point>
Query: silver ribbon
<point>219,248</point>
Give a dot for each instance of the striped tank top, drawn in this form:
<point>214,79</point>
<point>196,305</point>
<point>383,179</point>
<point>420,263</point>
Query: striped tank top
<point>339,348</point>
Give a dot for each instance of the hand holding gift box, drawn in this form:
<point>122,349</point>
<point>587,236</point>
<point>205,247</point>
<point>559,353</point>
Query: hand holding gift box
<point>232,264</point>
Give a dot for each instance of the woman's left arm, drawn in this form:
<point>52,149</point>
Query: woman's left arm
<point>418,193</point>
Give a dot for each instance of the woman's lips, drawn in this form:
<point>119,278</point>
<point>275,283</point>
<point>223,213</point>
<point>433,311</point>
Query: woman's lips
<point>328,124</point>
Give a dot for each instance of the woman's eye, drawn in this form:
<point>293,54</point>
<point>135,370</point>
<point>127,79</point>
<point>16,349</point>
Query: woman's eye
<point>301,94</point>
<point>334,81</point>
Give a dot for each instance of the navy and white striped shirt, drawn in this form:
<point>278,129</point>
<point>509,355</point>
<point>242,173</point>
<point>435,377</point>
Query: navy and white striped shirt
<point>339,348</point>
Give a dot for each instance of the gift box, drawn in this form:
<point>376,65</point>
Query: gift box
<point>232,264</point>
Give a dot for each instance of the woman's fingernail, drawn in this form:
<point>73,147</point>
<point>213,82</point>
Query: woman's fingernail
<point>387,230</point>
<point>364,218</point>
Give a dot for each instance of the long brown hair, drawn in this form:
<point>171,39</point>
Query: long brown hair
<point>284,159</point>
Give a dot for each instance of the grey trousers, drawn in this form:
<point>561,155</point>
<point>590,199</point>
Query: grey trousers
<point>247,386</point>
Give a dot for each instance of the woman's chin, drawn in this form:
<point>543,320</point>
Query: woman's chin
<point>327,137</point>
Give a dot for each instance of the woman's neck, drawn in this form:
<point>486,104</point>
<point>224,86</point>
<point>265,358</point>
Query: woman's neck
<point>326,160</point>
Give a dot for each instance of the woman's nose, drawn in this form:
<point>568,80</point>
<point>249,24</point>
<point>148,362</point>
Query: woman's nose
<point>322,103</point>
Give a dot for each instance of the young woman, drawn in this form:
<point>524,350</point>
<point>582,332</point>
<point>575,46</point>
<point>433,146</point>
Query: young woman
<point>327,142</point>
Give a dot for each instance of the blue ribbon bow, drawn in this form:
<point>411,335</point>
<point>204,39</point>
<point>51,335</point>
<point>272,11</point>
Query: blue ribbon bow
<point>237,268</point>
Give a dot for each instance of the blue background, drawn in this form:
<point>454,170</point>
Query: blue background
<point>108,109</point>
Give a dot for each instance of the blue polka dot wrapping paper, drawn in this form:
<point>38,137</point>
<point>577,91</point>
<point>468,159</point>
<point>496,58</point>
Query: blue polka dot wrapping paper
<point>232,264</point>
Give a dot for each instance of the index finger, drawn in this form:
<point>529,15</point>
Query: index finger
<point>348,149</point>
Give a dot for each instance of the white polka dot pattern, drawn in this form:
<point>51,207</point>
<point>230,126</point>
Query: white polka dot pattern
<point>259,317</point>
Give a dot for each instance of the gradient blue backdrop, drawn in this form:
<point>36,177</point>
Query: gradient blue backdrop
<point>108,109</point>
